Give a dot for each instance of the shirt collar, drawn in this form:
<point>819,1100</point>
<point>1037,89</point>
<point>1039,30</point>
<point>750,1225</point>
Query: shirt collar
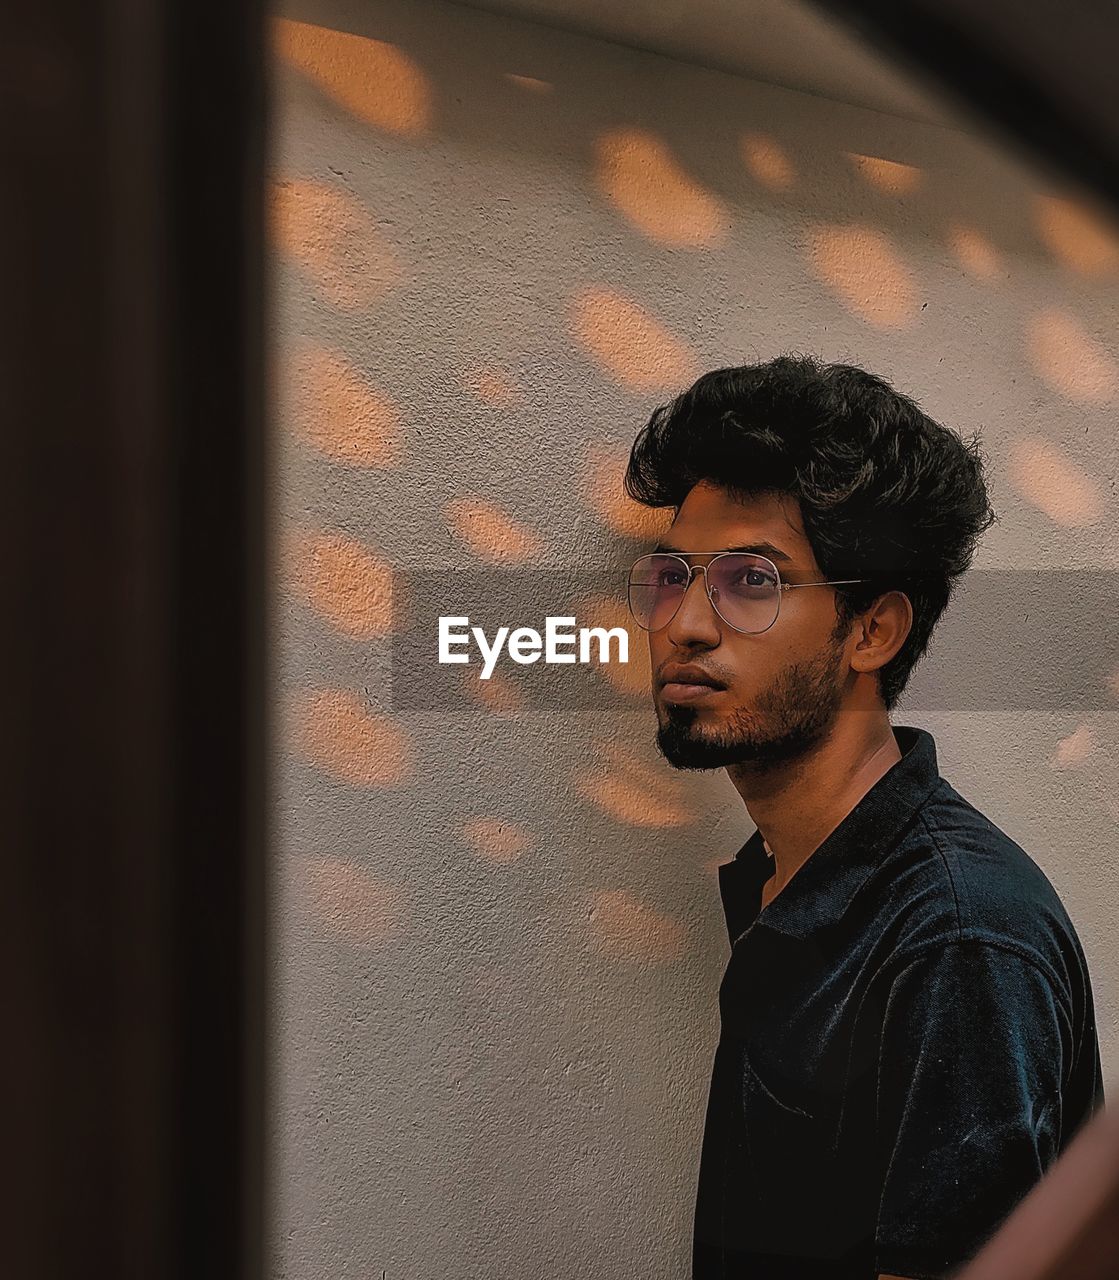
<point>821,889</point>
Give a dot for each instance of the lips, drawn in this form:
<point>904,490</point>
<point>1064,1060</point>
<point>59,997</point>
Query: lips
<point>688,674</point>
<point>680,682</point>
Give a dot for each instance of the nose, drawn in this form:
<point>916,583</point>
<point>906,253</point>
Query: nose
<point>695,623</point>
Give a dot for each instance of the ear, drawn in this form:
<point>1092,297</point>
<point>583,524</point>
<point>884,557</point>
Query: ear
<point>882,630</point>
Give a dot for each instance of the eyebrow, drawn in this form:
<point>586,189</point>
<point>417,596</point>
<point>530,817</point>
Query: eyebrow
<point>754,548</point>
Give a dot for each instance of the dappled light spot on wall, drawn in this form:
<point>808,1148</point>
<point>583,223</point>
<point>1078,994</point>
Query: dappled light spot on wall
<point>337,410</point>
<point>627,801</point>
<point>336,731</point>
<point>1046,478</point>
<point>767,162</point>
<point>629,344</point>
<point>375,82</point>
<point>1074,750</point>
<point>633,791</point>
<point>492,385</point>
<point>888,176</point>
<point>329,235</point>
<point>347,904</point>
<point>496,840</point>
<point>1077,236</point>
<point>344,583</point>
<point>530,84</point>
<point>498,695</point>
<point>638,173</point>
<point>630,677</point>
<point>975,253</point>
<point>491,534</point>
<point>1070,359</point>
<point>624,928</point>
<point>603,471</point>
<point>865,271</point>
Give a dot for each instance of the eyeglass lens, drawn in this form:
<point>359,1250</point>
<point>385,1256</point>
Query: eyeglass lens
<point>742,588</point>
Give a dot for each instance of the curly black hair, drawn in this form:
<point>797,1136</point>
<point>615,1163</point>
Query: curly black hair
<point>885,492</point>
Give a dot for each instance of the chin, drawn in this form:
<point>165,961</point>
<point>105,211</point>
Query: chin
<point>688,741</point>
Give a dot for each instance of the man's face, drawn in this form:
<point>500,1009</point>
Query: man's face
<point>781,689</point>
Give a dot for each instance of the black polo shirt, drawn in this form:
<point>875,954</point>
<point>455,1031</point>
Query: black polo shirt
<point>907,1043</point>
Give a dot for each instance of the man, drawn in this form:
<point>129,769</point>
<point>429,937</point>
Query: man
<point>907,1030</point>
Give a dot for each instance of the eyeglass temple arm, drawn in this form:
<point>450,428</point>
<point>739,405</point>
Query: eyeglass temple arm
<point>834,582</point>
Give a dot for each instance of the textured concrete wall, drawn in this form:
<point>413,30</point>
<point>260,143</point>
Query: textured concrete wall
<point>497,931</point>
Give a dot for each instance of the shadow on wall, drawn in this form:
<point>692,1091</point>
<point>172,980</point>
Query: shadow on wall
<point>495,255</point>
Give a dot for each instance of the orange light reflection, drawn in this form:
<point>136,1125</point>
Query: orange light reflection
<point>336,732</point>
<point>374,81</point>
<point>630,344</point>
<point>640,176</point>
<point>623,928</point>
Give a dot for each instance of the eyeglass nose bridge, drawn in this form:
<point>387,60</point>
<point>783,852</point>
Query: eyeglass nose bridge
<point>714,595</point>
<point>713,599</point>
<point>693,569</point>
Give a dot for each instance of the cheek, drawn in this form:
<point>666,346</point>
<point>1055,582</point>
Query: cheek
<point>750,668</point>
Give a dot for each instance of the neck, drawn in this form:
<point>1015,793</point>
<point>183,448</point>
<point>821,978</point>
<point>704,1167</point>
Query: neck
<point>797,804</point>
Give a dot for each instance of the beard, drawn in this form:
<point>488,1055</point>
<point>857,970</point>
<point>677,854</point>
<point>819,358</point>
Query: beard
<point>792,716</point>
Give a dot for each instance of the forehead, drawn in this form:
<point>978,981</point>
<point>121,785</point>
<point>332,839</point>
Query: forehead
<point>712,519</point>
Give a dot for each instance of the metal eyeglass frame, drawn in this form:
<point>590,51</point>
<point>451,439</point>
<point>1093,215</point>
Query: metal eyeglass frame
<point>692,569</point>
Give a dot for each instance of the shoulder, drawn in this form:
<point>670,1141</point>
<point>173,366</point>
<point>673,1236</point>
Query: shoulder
<point>956,877</point>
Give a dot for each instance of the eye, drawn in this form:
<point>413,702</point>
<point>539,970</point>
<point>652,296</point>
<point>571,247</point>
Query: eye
<point>672,577</point>
<point>750,579</point>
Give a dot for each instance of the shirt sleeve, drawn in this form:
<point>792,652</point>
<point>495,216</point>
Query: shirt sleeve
<point>968,1112</point>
